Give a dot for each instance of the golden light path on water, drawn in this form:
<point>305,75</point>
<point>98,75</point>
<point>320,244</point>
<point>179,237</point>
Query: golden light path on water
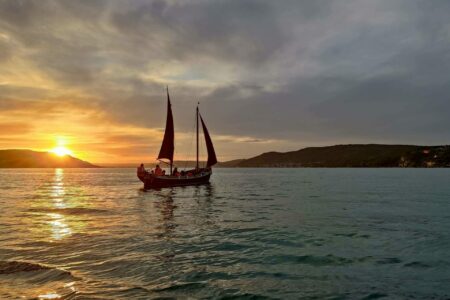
<point>57,221</point>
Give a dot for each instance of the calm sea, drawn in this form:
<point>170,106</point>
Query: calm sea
<point>250,234</point>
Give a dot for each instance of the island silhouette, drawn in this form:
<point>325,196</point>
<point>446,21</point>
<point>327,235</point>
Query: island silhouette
<point>338,156</point>
<point>21,158</point>
<point>354,156</point>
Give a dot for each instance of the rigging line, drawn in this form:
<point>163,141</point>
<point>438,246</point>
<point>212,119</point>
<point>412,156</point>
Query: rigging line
<point>190,147</point>
<point>202,143</point>
<point>202,146</point>
<point>163,162</point>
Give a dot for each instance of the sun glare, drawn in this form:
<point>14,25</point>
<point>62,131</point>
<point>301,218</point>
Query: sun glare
<point>61,151</point>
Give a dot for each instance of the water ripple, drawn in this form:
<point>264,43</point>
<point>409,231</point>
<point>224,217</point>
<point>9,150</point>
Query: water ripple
<point>250,234</point>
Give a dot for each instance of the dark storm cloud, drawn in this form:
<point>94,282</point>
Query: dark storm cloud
<point>309,71</point>
<point>244,31</point>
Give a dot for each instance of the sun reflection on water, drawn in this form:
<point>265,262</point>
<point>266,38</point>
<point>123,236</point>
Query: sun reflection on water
<point>58,223</point>
<point>58,190</point>
<point>59,227</point>
<point>49,296</point>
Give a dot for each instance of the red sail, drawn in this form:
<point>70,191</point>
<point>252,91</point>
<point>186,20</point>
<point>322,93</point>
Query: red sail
<point>212,159</point>
<point>167,147</point>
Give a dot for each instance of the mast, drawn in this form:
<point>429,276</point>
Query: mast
<point>168,99</point>
<point>196,123</point>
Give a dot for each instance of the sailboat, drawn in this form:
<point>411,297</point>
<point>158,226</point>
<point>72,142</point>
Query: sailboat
<point>195,176</point>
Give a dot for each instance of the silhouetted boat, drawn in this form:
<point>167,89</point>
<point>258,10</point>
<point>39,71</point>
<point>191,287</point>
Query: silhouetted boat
<point>190,177</point>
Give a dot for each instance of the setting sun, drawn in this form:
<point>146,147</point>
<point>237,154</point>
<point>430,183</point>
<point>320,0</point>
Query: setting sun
<point>61,151</point>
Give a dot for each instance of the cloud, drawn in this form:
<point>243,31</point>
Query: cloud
<point>14,128</point>
<point>297,73</point>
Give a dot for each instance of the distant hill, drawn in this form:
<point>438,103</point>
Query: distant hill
<point>35,159</point>
<point>230,163</point>
<point>371,155</point>
<point>178,163</point>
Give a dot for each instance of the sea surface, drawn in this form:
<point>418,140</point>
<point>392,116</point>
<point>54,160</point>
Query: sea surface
<point>250,234</point>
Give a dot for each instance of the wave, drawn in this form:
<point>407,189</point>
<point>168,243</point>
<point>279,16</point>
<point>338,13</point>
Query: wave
<point>389,260</point>
<point>249,296</point>
<point>185,287</point>
<point>313,260</point>
<point>417,264</point>
<point>374,296</point>
<point>69,210</point>
<point>13,267</point>
<point>229,246</point>
<point>21,279</point>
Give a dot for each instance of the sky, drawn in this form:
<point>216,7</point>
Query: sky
<point>91,75</point>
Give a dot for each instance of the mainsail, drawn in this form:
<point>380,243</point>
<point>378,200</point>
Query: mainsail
<point>212,159</point>
<point>167,147</point>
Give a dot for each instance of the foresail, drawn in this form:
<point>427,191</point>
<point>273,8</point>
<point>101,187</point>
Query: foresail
<point>167,147</point>
<point>212,159</point>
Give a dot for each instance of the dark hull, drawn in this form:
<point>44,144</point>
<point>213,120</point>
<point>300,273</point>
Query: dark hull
<point>155,182</point>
